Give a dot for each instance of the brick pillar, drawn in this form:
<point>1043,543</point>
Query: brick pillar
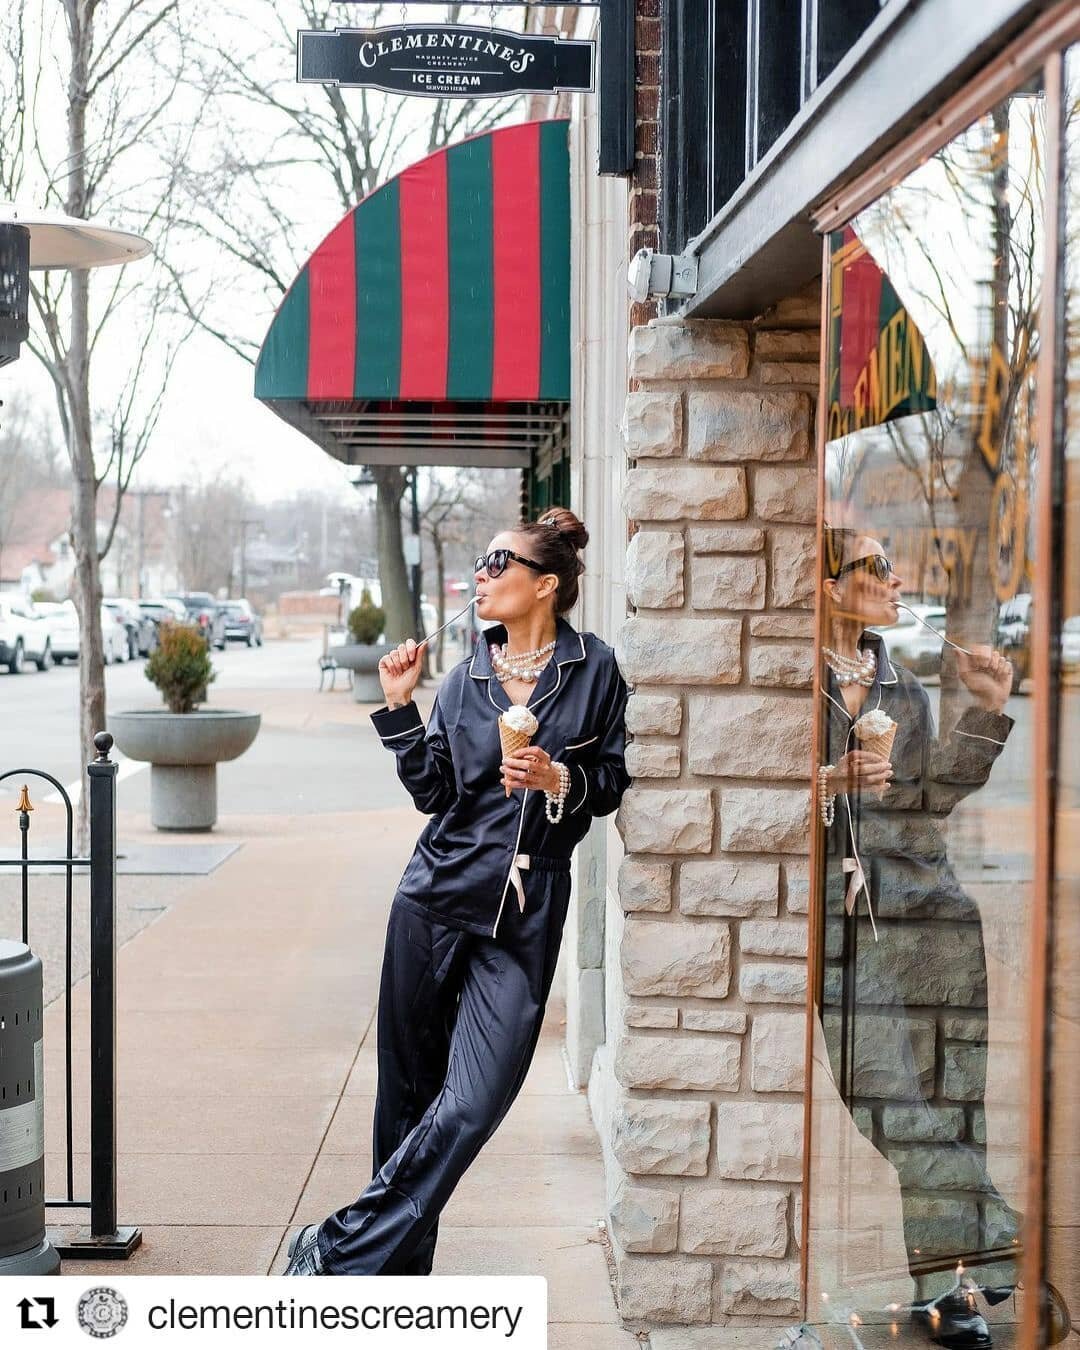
<point>706,1131</point>
<point>643,206</point>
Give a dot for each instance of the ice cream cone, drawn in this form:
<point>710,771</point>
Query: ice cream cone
<point>512,741</point>
<point>875,732</point>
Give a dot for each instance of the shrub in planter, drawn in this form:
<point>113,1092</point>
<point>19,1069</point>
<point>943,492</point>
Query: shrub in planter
<point>366,621</point>
<point>180,667</point>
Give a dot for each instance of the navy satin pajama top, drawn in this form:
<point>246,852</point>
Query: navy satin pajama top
<point>479,845</point>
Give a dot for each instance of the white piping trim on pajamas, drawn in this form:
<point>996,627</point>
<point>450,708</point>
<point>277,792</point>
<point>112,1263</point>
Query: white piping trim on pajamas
<point>517,845</point>
<point>580,744</point>
<point>976,737</point>
<point>411,731</point>
<point>585,780</point>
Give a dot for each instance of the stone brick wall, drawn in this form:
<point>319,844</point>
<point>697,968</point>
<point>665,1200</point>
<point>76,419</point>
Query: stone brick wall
<point>705,1149</point>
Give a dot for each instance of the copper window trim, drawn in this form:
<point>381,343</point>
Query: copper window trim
<point>815,922</point>
<point>1050,391</point>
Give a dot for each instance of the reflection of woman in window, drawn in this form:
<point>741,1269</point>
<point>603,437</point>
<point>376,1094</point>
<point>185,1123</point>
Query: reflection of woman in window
<point>904,1001</point>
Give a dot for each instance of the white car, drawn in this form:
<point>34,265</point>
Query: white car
<point>114,636</point>
<point>913,645</point>
<point>24,636</point>
<point>1070,643</point>
<point>63,622</point>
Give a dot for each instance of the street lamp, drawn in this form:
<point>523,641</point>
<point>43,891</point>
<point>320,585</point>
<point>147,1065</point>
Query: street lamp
<point>34,240</point>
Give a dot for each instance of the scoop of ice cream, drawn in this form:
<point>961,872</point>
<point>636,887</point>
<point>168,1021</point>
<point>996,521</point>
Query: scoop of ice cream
<point>873,723</point>
<point>519,718</point>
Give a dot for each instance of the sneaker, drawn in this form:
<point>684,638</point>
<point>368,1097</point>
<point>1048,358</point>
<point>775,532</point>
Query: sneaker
<point>1058,1319</point>
<point>953,1322</point>
<point>304,1255</point>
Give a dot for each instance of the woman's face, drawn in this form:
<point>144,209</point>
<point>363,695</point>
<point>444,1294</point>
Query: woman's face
<point>516,591</point>
<point>860,595</point>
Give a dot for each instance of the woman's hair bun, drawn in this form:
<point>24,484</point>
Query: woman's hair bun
<point>553,541</point>
<point>567,524</point>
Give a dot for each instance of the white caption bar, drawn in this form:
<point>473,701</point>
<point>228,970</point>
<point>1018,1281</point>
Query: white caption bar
<point>450,1312</point>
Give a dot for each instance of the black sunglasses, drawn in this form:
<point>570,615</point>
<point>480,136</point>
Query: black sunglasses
<point>877,563</point>
<point>494,563</point>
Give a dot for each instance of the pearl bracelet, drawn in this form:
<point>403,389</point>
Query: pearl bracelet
<point>826,799</point>
<point>557,799</point>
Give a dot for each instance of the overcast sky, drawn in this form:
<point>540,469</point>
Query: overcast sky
<point>210,420</point>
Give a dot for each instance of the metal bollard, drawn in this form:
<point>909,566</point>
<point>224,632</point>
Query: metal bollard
<point>24,1248</point>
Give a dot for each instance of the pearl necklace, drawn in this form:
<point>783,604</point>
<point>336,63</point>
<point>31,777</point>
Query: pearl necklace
<point>851,670</point>
<point>527,666</point>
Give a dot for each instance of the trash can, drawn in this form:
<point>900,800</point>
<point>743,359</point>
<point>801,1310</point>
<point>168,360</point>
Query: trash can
<point>24,1248</point>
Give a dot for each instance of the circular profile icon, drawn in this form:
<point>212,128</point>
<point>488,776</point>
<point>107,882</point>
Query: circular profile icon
<point>102,1312</point>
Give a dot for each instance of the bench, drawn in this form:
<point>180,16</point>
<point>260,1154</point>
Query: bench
<point>329,666</point>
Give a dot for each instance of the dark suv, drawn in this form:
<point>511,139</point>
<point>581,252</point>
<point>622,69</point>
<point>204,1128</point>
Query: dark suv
<point>204,611</point>
<point>242,623</point>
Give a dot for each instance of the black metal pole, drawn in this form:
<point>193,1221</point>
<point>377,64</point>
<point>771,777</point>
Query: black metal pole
<point>615,107</point>
<point>417,566</point>
<point>24,809</point>
<point>102,775</point>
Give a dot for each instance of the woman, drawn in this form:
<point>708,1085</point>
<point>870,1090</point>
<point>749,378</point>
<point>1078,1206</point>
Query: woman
<point>904,1001</point>
<point>475,926</point>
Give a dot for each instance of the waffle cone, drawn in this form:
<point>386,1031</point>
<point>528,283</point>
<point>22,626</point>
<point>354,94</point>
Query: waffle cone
<point>880,745</point>
<point>511,740</point>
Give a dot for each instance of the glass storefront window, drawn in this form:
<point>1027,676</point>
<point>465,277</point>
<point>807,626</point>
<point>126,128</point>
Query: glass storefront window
<point>1062,1179</point>
<point>925,852</point>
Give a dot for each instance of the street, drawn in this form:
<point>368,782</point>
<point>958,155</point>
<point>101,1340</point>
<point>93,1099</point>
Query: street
<point>300,763</point>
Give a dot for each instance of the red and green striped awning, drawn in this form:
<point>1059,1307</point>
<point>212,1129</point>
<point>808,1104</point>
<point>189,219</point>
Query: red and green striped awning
<point>432,325</point>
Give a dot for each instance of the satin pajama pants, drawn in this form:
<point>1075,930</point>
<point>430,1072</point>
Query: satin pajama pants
<point>459,1017</point>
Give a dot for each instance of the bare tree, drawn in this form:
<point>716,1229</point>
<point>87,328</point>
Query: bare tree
<point>276,144</point>
<point>27,463</point>
<point>208,530</point>
<point>460,510</point>
<point>114,91</point>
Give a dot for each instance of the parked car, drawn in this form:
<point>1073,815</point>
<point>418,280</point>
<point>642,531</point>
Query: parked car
<point>115,644</point>
<point>1013,636</point>
<point>63,621</point>
<point>242,624</point>
<point>204,610</point>
<point>914,646</point>
<point>1070,643</point>
<point>24,636</point>
<point>163,610</point>
<point>141,632</point>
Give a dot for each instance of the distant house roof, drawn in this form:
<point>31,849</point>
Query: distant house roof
<point>43,516</point>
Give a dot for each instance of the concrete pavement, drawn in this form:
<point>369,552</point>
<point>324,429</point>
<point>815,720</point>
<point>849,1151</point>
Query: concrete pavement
<point>246,1066</point>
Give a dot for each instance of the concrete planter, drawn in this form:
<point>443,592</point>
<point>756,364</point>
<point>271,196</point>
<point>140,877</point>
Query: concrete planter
<point>183,750</point>
<point>363,660</point>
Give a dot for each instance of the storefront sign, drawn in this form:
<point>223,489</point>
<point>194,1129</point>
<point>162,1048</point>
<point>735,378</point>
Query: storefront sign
<point>879,368</point>
<point>444,61</point>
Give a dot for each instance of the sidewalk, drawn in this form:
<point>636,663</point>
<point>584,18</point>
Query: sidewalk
<point>247,1070</point>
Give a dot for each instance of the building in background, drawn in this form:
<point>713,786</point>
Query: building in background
<point>36,553</point>
<point>881,202</point>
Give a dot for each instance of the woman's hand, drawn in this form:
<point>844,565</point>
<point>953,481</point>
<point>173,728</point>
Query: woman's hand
<point>530,768</point>
<point>399,672</point>
<point>860,769</point>
<point>988,675</point>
